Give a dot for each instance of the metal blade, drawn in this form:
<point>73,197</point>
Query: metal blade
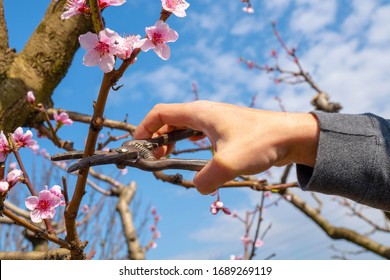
<point>72,155</point>
<point>108,158</point>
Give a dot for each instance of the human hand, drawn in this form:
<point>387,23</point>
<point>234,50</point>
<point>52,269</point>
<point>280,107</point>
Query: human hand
<point>246,141</point>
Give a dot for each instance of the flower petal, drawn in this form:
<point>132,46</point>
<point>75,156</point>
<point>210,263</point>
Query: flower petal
<point>31,202</point>
<point>107,63</point>
<point>4,186</point>
<point>148,44</point>
<point>91,58</point>
<point>88,40</point>
<point>163,51</point>
<point>36,216</point>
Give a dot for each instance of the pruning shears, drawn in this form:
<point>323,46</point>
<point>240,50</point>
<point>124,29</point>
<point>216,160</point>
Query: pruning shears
<point>138,154</point>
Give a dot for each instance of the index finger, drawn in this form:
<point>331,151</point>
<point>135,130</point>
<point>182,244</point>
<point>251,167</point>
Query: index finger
<point>177,115</point>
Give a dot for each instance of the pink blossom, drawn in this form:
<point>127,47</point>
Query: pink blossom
<point>234,257</point>
<point>259,243</point>
<point>246,240</point>
<point>154,245</point>
<point>23,139</point>
<point>153,228</point>
<point>101,49</point>
<point>128,44</point>
<point>44,153</point>
<point>13,165</point>
<point>30,97</point>
<point>74,7</point>
<point>156,234</point>
<point>13,177</point>
<point>105,3</point>
<point>177,7</point>
<point>85,208</point>
<point>56,190</point>
<point>157,37</point>
<point>274,53</point>
<point>250,64</point>
<point>153,211</point>
<point>4,147</point>
<point>248,9</point>
<point>268,194</point>
<point>62,119</point>
<point>4,186</point>
<point>216,206</point>
<point>35,148</point>
<point>42,206</point>
<point>124,171</point>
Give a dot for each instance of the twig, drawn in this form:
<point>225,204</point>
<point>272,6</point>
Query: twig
<point>177,179</point>
<point>47,119</point>
<point>83,118</point>
<point>65,187</point>
<point>111,139</point>
<point>257,231</point>
<point>21,165</point>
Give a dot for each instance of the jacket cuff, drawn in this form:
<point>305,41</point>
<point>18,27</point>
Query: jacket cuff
<point>351,149</point>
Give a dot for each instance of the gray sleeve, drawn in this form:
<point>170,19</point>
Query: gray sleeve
<point>353,159</point>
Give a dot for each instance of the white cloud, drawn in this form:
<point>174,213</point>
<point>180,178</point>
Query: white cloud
<point>359,18</point>
<point>310,16</point>
<point>379,32</point>
<point>247,25</point>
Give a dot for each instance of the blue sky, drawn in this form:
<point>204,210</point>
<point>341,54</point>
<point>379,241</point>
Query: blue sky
<point>343,44</point>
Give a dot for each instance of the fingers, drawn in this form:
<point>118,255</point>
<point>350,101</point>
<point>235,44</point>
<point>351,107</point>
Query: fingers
<point>213,175</point>
<point>173,115</point>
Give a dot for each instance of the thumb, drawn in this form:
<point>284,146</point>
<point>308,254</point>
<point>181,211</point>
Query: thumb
<point>214,174</point>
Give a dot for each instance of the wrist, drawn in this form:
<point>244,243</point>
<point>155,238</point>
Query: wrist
<point>304,138</point>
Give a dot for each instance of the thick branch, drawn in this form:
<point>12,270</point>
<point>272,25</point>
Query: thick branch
<point>3,29</point>
<point>134,249</point>
<point>338,232</point>
<point>59,254</point>
<point>40,66</point>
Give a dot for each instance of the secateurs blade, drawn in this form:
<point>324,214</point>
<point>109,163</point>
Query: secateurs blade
<point>137,153</point>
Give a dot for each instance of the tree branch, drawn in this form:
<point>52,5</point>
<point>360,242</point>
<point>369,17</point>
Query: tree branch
<point>59,254</point>
<point>40,66</point>
<point>39,232</point>
<point>134,249</point>
<point>87,119</point>
<point>3,29</point>
<point>338,232</point>
<point>177,179</point>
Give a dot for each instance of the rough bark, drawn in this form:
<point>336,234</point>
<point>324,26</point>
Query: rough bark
<point>40,66</point>
<point>58,254</point>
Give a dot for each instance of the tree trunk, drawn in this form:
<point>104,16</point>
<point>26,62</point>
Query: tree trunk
<point>39,67</point>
